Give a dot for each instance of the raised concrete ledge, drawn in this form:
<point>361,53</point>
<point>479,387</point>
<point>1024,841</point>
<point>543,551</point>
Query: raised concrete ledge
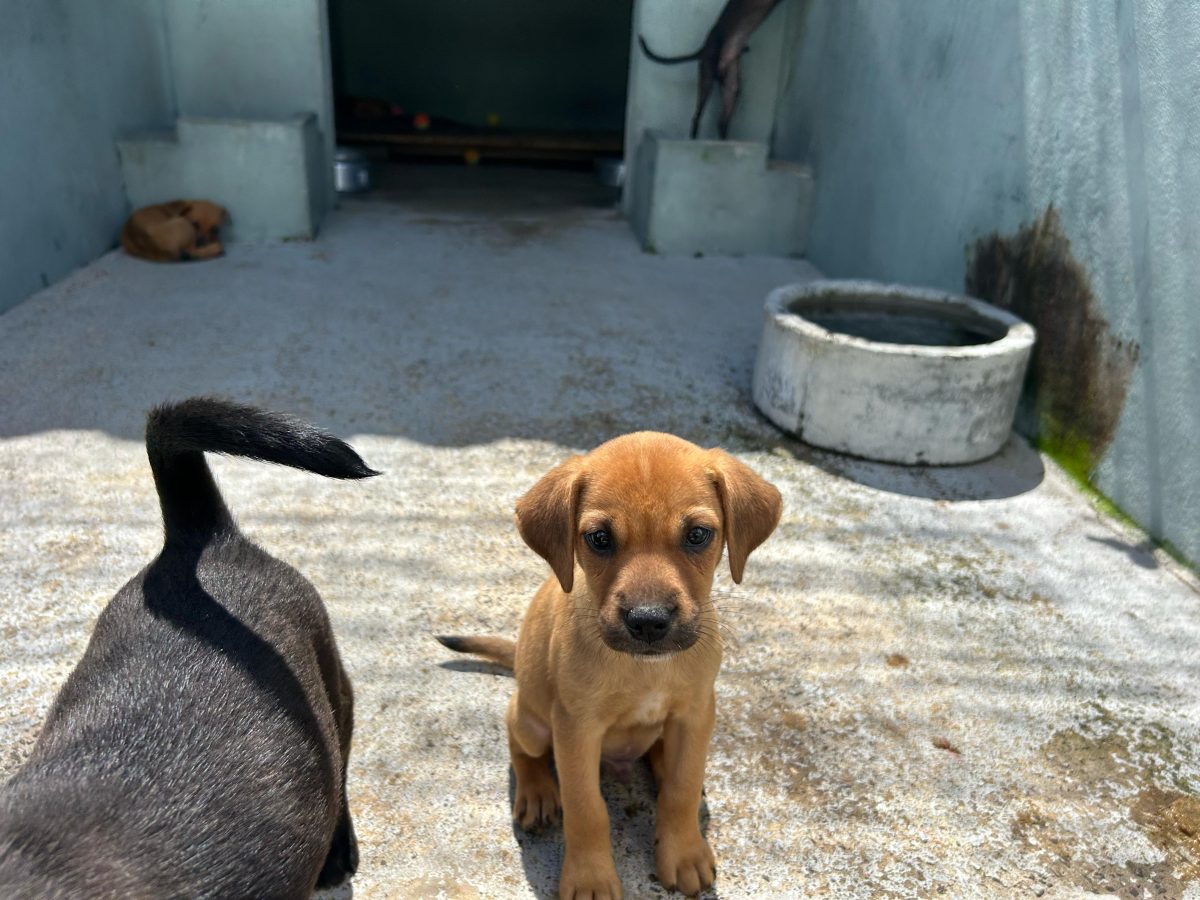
<point>718,197</point>
<point>266,172</point>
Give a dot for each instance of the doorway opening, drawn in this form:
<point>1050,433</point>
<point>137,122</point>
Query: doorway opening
<point>482,81</point>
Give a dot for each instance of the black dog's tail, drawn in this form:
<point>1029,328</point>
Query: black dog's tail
<point>668,60</point>
<point>179,434</point>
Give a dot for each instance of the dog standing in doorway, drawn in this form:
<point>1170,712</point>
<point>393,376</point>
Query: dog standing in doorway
<point>720,57</point>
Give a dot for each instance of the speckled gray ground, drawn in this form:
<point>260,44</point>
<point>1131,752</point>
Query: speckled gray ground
<point>961,682</point>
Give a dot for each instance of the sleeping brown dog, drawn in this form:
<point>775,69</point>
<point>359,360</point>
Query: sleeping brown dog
<point>619,651</point>
<point>169,232</point>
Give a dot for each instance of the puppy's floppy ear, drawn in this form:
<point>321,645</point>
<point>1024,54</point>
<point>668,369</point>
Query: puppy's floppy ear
<point>546,518</point>
<point>749,505</point>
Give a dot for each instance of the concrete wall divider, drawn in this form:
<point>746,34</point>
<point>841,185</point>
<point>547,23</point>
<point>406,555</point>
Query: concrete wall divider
<point>717,197</point>
<point>268,174</point>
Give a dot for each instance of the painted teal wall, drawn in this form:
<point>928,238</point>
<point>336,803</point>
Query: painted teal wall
<point>74,74</point>
<point>538,64</point>
<point>253,59</point>
<point>931,124</point>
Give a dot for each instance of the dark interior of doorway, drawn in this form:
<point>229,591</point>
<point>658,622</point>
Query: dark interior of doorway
<point>537,81</point>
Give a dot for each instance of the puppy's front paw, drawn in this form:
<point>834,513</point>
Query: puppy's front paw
<point>589,878</point>
<point>687,865</point>
<point>535,801</point>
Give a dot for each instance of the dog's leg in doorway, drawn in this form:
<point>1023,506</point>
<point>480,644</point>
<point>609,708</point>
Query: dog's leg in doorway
<point>708,78</point>
<point>731,87</point>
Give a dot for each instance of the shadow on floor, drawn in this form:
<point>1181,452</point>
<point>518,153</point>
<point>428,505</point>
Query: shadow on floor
<point>631,806</point>
<point>1015,470</point>
<point>1140,554</point>
<point>478,666</point>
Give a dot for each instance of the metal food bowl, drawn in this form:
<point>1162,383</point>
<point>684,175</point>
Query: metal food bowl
<point>611,171</point>
<point>351,171</point>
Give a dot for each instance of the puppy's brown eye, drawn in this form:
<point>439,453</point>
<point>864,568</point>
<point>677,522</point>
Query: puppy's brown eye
<point>698,537</point>
<point>599,540</point>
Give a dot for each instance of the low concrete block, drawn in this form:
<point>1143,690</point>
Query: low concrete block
<point>718,197</point>
<point>267,173</point>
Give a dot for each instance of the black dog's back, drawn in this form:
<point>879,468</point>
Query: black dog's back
<point>199,747</point>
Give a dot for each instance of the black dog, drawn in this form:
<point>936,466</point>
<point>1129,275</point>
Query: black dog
<point>720,56</point>
<point>199,748</point>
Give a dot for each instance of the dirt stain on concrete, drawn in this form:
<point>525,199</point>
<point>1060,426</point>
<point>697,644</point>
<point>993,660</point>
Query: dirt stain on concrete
<point>943,743</point>
<point>1106,770</point>
<point>1079,375</point>
<point>1171,820</point>
<point>434,889</point>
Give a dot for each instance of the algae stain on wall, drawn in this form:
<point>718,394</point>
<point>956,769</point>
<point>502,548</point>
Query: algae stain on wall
<point>1079,375</point>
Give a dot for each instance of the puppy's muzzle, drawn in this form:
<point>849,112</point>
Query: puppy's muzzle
<point>648,621</point>
<point>649,624</point>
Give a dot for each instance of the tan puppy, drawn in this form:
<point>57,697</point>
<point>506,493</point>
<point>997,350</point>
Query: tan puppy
<point>619,651</point>
<point>168,232</point>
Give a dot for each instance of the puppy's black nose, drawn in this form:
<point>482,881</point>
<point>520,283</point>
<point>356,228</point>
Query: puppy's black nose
<point>649,623</point>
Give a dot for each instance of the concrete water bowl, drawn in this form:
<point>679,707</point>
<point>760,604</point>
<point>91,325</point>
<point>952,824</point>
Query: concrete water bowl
<point>891,373</point>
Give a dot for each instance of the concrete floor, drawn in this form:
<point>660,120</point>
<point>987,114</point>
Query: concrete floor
<point>963,682</point>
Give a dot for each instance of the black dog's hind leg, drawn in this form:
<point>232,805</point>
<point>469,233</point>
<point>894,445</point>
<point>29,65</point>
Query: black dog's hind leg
<point>342,860</point>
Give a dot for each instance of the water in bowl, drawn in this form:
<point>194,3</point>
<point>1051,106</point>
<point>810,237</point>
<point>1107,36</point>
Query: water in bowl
<point>899,327</point>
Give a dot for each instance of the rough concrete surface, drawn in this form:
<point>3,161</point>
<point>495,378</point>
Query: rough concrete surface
<point>962,682</point>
